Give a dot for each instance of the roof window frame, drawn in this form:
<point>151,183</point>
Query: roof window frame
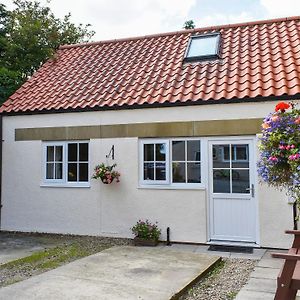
<point>203,57</point>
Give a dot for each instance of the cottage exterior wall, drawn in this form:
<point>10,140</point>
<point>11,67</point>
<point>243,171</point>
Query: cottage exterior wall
<point>111,210</point>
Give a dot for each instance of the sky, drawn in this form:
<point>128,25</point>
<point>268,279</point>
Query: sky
<point>112,19</point>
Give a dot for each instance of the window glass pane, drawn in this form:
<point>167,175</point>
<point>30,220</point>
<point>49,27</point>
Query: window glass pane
<point>58,170</point>
<point>221,181</point>
<point>148,171</point>
<point>178,172</point>
<point>194,172</point>
<point>221,156</point>
<point>160,171</point>
<point>178,150</point>
<point>72,172</point>
<point>72,152</point>
<point>203,46</point>
<point>83,172</point>
<point>193,150</point>
<point>83,152</point>
<point>50,153</point>
<point>148,152</point>
<point>160,152</point>
<point>58,153</point>
<point>49,171</point>
<point>240,181</point>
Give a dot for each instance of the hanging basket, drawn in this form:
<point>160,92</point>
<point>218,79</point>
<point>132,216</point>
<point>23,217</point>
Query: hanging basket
<point>104,180</point>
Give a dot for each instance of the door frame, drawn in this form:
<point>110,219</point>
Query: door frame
<point>231,139</point>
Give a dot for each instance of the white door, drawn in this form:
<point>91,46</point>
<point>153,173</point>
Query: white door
<point>232,203</point>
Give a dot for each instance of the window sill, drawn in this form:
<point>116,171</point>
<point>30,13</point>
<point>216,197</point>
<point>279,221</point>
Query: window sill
<point>170,187</point>
<point>66,185</point>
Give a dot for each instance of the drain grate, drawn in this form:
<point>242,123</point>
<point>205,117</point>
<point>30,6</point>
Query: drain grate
<point>236,249</point>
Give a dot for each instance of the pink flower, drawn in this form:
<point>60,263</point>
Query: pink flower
<point>265,125</point>
<point>275,118</point>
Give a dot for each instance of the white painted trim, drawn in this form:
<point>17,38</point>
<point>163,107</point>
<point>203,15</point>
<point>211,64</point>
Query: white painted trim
<point>63,182</point>
<point>253,179</point>
<point>143,142</point>
<point>149,184</point>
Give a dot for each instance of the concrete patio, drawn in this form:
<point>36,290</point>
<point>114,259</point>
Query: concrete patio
<point>117,273</point>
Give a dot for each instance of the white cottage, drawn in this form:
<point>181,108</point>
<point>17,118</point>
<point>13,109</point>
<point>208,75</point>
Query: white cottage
<point>181,111</point>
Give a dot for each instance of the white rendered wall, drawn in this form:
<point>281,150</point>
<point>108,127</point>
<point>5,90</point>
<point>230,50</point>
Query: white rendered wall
<point>111,210</point>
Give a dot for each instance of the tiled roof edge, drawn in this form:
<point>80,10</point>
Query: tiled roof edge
<point>257,99</point>
<point>208,28</point>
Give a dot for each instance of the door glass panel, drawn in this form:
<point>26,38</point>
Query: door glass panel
<point>239,155</point>
<point>240,181</point>
<point>221,156</point>
<point>148,171</point>
<point>193,150</point>
<point>194,172</point>
<point>149,152</point>
<point>160,171</point>
<point>178,172</point>
<point>160,152</point>
<point>221,181</point>
<point>178,150</point>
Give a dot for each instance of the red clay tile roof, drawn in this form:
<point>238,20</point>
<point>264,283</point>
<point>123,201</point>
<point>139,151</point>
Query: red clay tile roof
<point>258,60</point>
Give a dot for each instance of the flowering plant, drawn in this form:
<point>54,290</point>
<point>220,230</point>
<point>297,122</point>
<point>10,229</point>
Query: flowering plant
<point>106,173</point>
<point>279,163</point>
<point>146,230</point>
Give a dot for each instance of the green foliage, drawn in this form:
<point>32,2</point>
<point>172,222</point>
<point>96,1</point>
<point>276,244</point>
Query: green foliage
<point>146,230</point>
<point>189,24</point>
<point>30,34</point>
<point>9,81</point>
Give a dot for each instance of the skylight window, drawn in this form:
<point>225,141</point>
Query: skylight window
<point>203,47</point>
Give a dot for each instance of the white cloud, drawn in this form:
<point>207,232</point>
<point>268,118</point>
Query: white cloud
<point>221,19</point>
<point>119,18</point>
<point>123,18</point>
<point>277,8</point>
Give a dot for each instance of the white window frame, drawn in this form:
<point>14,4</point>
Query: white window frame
<point>186,184</point>
<point>200,57</point>
<point>141,161</point>
<point>64,181</point>
<point>168,184</point>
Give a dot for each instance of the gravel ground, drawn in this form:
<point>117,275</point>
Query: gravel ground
<point>224,282</point>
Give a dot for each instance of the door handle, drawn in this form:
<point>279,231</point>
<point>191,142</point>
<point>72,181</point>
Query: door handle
<point>251,190</point>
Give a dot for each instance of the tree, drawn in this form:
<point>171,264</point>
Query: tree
<point>189,24</point>
<point>3,28</point>
<point>31,34</point>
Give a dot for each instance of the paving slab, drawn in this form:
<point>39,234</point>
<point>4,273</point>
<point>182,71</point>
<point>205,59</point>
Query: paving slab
<point>254,295</point>
<point>266,273</point>
<point>261,285</point>
<point>117,273</point>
